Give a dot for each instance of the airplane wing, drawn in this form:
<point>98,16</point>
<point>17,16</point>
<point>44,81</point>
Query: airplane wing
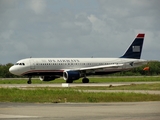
<point>97,67</point>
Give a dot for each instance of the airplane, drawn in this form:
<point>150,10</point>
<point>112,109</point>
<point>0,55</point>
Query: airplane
<point>72,69</point>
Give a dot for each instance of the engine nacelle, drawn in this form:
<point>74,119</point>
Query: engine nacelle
<point>71,75</point>
<point>47,78</point>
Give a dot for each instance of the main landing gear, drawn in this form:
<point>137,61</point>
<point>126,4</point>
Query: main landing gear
<point>85,80</point>
<point>29,80</point>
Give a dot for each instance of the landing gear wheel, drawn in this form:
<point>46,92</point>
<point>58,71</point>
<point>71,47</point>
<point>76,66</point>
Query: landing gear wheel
<point>85,80</point>
<point>29,81</point>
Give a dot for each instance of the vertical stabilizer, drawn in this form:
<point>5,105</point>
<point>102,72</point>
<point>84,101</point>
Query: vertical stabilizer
<point>135,49</point>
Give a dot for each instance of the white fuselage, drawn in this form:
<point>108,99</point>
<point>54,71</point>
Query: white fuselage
<point>40,66</point>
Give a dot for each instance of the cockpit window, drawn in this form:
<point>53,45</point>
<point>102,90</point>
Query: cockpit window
<point>19,64</point>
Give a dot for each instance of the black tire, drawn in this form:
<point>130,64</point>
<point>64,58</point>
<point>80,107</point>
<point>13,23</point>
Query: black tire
<point>29,82</point>
<point>85,80</point>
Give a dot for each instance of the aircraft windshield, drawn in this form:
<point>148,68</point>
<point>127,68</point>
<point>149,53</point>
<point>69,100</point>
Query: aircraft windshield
<point>19,64</point>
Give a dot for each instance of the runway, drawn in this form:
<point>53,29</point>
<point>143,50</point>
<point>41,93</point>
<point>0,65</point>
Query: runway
<point>81,111</point>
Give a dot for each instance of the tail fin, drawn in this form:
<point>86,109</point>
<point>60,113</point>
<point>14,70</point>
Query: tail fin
<point>135,49</point>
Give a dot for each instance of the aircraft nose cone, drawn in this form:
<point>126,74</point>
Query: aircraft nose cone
<point>13,70</point>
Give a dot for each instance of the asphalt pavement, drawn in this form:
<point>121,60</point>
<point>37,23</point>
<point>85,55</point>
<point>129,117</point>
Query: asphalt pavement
<point>80,111</point>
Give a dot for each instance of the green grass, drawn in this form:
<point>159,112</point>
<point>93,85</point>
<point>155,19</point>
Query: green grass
<point>125,79</point>
<point>92,80</point>
<point>69,95</point>
<point>76,94</point>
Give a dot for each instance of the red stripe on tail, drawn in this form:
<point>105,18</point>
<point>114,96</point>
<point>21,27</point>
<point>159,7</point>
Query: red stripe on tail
<point>141,35</point>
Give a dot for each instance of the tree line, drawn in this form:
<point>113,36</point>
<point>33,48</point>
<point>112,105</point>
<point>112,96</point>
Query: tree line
<point>154,69</point>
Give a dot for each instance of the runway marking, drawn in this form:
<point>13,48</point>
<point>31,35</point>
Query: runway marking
<point>16,116</point>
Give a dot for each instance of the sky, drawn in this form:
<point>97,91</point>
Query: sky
<point>77,28</point>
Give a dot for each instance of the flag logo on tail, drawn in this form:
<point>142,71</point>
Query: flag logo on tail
<point>136,48</point>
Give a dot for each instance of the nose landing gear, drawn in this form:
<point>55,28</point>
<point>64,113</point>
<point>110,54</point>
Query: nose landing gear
<point>29,80</point>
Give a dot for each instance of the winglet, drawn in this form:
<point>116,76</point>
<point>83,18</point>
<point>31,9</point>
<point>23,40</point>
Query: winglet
<point>135,49</point>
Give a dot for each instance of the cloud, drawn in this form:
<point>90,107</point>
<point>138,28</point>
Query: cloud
<point>6,35</point>
<point>38,6</point>
<point>66,28</point>
<point>97,24</point>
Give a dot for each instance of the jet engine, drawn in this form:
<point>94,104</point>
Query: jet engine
<point>47,78</point>
<point>70,76</point>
